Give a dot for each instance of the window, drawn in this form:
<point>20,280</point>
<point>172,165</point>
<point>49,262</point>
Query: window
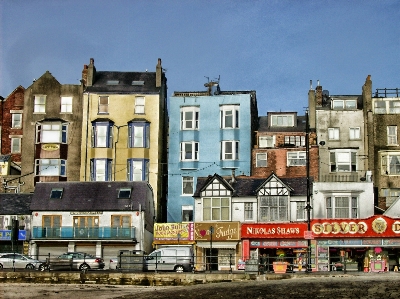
<point>66,104</point>
<point>300,210</point>
<point>273,208</point>
<point>387,106</point>
<point>189,151</point>
<point>40,104</point>
<point>392,135</point>
<point>229,116</point>
<point>248,211</point>
<point>230,150</point>
<point>344,104</point>
<point>56,193</point>
<point>261,160</point>
<point>103,105</point>
<point>342,207</point>
<point>102,134</point>
<point>343,160</point>
<point>295,140</point>
<point>266,141</point>
<point>139,105</point>
<point>296,158</point>
<point>394,107</point>
<point>139,134</point>
<point>112,82</point>
<point>138,170</point>
<point>333,133</point>
<point>120,225</point>
<point>390,162</point>
<point>187,185</point>
<point>354,133</point>
<point>187,213</point>
<point>282,121</point>
<point>101,170</point>
<point>216,208</point>
<point>51,221</point>
<point>124,193</point>
<point>190,118</point>
<point>15,145</point>
<point>390,194</point>
<point>51,132</point>
<point>50,167</point>
<point>16,121</point>
<point>85,227</point>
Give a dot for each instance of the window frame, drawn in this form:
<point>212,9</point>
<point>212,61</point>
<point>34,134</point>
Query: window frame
<point>15,122</point>
<point>298,158</point>
<point>337,155</point>
<point>268,140</point>
<point>392,136</point>
<point>333,133</point>
<point>296,140</point>
<point>234,146</point>
<point>103,104</point>
<point>140,107</point>
<point>387,167</point>
<point>187,180</point>
<point>54,164</point>
<point>301,211</point>
<point>16,145</point>
<point>229,121</point>
<point>39,104</point>
<point>42,130</point>
<point>133,128</point>
<point>282,120</point>
<point>66,107</point>
<point>281,212</point>
<point>187,210</point>
<point>354,133</point>
<point>336,210</point>
<point>248,211</point>
<point>133,171</point>
<point>194,121</point>
<point>259,160</point>
<point>94,167</point>
<point>108,137</point>
<point>194,153</point>
<point>219,210</point>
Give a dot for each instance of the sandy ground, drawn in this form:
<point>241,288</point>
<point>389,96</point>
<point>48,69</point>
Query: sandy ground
<point>368,286</point>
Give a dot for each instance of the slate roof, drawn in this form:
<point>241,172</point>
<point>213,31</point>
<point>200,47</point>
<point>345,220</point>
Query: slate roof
<point>125,82</point>
<point>91,196</point>
<point>247,186</point>
<point>15,203</point>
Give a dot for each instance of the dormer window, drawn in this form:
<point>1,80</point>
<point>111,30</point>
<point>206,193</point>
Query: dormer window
<point>56,193</point>
<point>282,120</point>
<point>344,104</point>
<point>112,82</point>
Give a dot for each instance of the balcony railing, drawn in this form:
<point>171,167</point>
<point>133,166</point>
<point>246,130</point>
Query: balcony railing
<point>386,92</point>
<point>354,177</point>
<point>93,233</point>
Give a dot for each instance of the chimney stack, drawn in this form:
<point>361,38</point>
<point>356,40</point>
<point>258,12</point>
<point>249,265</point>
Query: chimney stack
<point>158,73</point>
<point>90,73</point>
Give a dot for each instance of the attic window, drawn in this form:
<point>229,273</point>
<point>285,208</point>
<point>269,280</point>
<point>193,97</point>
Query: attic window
<point>56,193</point>
<point>137,82</point>
<point>124,193</point>
<point>112,82</point>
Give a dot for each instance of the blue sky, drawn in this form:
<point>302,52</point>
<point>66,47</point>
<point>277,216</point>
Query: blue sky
<point>272,47</point>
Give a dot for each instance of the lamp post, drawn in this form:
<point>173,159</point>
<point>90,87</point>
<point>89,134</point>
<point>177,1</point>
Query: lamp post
<point>211,233</point>
<point>179,236</point>
<point>308,206</point>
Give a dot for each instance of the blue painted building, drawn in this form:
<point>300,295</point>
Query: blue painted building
<point>210,132</point>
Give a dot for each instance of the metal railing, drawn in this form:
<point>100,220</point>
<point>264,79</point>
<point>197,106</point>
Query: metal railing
<point>69,232</point>
<point>384,92</point>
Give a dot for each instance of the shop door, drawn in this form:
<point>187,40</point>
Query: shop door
<point>212,259</point>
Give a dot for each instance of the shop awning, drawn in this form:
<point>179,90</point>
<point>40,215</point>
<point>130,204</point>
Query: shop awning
<point>228,245</point>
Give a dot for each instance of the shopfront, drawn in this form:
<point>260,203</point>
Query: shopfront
<point>276,244</point>
<point>369,245</point>
<point>218,245</point>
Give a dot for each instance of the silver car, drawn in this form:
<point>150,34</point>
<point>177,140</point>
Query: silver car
<point>17,260</point>
<point>79,261</point>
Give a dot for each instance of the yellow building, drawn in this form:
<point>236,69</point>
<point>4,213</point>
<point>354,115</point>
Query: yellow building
<point>124,129</point>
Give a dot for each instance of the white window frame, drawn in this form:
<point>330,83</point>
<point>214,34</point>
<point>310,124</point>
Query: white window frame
<point>266,141</point>
<point>52,132</point>
<point>333,133</point>
<point>138,170</point>
<point>16,145</point>
<point>390,163</point>
<point>343,160</point>
<point>300,210</point>
<point>187,185</point>
<point>387,106</point>
<point>261,160</point>
<point>296,158</point>
<point>187,213</point>
<point>342,206</point>
<point>344,104</point>
<point>273,208</point>
<point>282,120</point>
<point>189,151</point>
<point>190,118</point>
<point>229,116</point>
<point>392,135</point>
<point>230,150</point>
<point>354,133</point>
<point>101,170</point>
<point>296,140</point>
<point>66,104</point>
<point>139,105</point>
<point>248,211</point>
<point>103,104</point>
<point>16,120</point>
<point>216,209</point>
<point>39,104</point>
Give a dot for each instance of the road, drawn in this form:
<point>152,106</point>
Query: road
<point>381,285</point>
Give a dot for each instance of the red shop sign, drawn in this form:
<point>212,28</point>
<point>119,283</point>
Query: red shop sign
<point>275,230</point>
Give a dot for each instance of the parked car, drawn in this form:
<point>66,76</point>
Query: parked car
<point>17,260</point>
<point>73,261</point>
<point>113,263</point>
<point>170,258</point>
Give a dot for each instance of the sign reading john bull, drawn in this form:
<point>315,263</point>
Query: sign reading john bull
<point>221,231</point>
<point>376,226</point>
<point>173,231</point>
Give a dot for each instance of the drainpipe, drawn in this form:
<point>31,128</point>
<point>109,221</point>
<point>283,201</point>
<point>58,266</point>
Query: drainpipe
<point>87,133</point>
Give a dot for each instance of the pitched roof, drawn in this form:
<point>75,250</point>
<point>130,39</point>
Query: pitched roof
<point>128,82</point>
<point>15,203</point>
<point>248,186</point>
<point>91,196</point>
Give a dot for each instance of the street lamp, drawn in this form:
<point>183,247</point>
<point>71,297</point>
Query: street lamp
<point>211,233</point>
